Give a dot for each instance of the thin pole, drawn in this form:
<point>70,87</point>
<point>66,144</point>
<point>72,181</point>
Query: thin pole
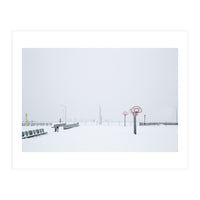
<point>65,107</point>
<point>65,115</point>
<point>26,119</point>
<point>124,120</point>
<point>100,116</point>
<point>135,123</point>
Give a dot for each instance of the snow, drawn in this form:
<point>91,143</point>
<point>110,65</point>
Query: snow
<point>113,138</point>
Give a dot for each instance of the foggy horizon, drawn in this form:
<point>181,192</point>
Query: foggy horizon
<point>114,78</point>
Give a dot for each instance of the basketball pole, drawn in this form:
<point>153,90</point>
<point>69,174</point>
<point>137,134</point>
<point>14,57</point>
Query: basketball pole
<point>124,120</point>
<point>135,110</point>
<point>134,116</point>
<point>125,114</point>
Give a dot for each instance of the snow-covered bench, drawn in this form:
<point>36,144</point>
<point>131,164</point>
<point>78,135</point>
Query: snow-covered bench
<point>32,133</point>
<point>71,126</point>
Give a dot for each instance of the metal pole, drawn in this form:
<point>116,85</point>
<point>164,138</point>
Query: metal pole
<point>65,115</point>
<point>124,120</point>
<point>65,107</point>
<point>100,116</point>
<point>26,119</point>
<point>144,119</point>
<point>134,115</point>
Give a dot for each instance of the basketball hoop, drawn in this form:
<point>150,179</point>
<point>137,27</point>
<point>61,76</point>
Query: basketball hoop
<point>125,113</point>
<point>136,109</point>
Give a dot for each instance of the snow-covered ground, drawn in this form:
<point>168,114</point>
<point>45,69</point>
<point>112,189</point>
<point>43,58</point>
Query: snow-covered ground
<point>104,139</point>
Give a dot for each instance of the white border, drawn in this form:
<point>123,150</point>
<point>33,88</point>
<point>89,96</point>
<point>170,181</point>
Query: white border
<point>99,39</point>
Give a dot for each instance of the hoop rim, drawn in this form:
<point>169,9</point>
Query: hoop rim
<point>125,113</point>
<point>136,109</point>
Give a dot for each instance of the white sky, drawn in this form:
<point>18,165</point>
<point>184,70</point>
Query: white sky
<point>83,79</point>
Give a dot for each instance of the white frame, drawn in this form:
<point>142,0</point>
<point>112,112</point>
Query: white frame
<point>99,160</point>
